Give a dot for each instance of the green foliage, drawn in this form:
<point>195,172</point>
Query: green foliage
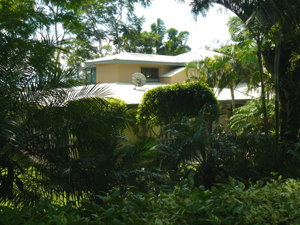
<point>198,148</point>
<point>50,144</point>
<point>267,202</point>
<point>22,23</point>
<point>176,43</point>
<point>171,103</point>
<point>276,22</point>
<point>28,78</point>
<point>189,148</point>
<point>84,144</point>
<point>238,30</point>
<point>219,71</point>
<point>249,118</point>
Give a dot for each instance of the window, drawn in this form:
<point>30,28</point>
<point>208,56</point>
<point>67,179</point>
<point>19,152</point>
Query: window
<point>150,73</point>
<point>91,75</point>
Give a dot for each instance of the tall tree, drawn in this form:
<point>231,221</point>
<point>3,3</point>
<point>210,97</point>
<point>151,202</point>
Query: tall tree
<point>158,29</point>
<point>23,17</point>
<point>220,71</point>
<point>241,31</point>
<point>105,24</point>
<point>176,43</point>
<point>288,72</point>
<point>61,16</point>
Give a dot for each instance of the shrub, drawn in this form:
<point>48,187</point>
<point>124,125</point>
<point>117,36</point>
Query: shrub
<point>273,201</point>
<point>201,149</point>
<point>73,151</point>
<point>249,118</point>
<point>171,103</point>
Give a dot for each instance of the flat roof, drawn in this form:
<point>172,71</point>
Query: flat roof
<point>132,95</point>
<point>179,60</point>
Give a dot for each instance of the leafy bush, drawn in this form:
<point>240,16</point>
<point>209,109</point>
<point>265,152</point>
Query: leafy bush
<point>273,201</point>
<point>171,103</point>
<point>29,82</point>
<point>249,118</point>
<point>199,148</point>
<point>68,152</point>
<point>86,150</point>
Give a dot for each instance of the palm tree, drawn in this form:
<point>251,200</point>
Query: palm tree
<point>247,52</point>
<point>23,89</point>
<point>190,149</point>
<point>210,156</point>
<point>219,71</point>
<point>201,71</point>
<point>275,12</point>
<point>52,145</point>
<point>229,74</point>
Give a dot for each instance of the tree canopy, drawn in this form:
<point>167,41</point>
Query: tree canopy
<point>279,25</point>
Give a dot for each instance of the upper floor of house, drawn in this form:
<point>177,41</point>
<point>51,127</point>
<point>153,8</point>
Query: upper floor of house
<point>156,68</point>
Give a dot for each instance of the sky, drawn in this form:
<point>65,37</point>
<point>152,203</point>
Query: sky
<point>209,31</point>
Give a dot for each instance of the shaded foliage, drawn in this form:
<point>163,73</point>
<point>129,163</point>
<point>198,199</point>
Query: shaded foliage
<point>53,145</point>
<point>198,148</point>
<point>280,21</point>
<point>249,118</point>
<point>266,201</point>
<point>171,103</point>
<point>24,87</point>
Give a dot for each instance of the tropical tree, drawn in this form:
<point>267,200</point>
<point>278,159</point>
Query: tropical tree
<point>238,30</point>
<point>209,156</point>
<point>63,16</point>
<point>52,143</point>
<point>202,71</point>
<point>249,118</point>
<point>229,73</point>
<point>188,151</point>
<point>176,43</point>
<point>24,87</point>
<point>220,71</point>
<point>23,18</point>
<point>159,29</point>
<point>286,12</point>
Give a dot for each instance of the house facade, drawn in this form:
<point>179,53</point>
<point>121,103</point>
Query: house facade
<point>115,72</point>
<point>156,68</point>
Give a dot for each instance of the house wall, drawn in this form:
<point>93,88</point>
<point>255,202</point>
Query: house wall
<point>179,77</point>
<point>109,73</point>
<point>166,80</point>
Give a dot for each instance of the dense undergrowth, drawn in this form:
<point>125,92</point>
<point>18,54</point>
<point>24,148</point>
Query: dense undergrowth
<point>273,201</point>
<point>73,153</point>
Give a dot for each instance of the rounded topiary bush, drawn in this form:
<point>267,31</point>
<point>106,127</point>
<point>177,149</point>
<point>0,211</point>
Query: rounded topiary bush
<point>171,103</point>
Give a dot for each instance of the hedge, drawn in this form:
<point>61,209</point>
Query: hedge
<point>272,202</point>
<point>171,103</point>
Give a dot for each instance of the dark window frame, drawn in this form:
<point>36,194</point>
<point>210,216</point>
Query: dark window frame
<point>150,73</point>
<point>90,74</point>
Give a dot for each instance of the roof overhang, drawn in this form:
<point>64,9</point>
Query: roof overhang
<point>89,64</point>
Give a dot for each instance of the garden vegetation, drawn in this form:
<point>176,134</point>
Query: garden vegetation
<point>65,157</point>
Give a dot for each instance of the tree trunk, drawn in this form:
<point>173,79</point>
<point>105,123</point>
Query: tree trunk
<point>288,87</point>
<point>263,97</point>
<point>232,99</point>
<point>276,76</point>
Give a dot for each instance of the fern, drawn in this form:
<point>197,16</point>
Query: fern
<point>249,118</point>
